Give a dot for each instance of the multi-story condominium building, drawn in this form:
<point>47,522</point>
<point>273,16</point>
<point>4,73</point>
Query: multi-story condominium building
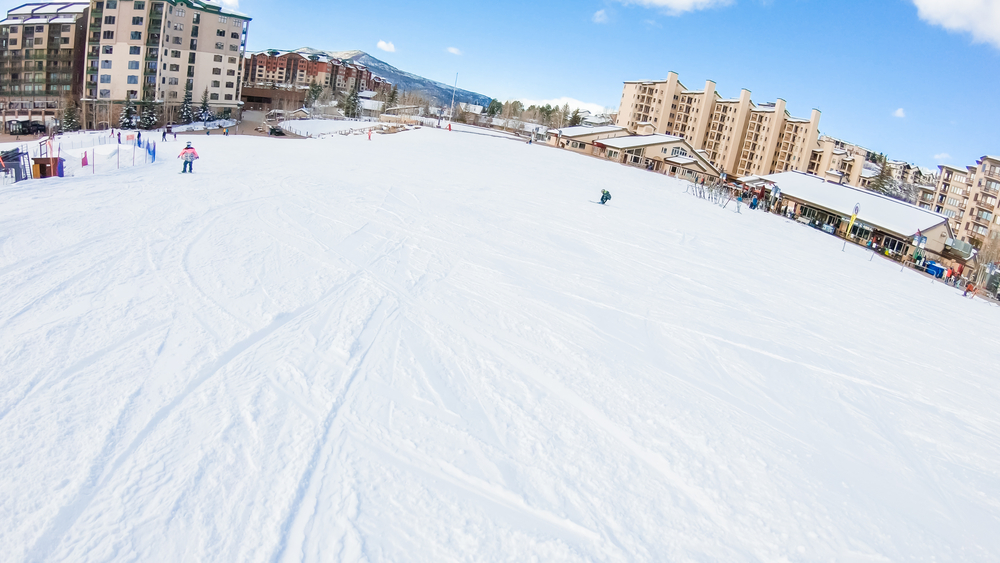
<point>851,148</point>
<point>739,137</point>
<point>301,68</point>
<point>837,164</point>
<point>41,62</point>
<point>777,142</point>
<point>952,196</point>
<point>154,50</point>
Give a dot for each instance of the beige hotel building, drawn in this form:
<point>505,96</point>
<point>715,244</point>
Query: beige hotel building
<point>738,136</point>
<point>152,50</point>
<point>968,196</point>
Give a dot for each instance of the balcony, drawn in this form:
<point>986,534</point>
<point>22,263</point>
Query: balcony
<point>986,206</point>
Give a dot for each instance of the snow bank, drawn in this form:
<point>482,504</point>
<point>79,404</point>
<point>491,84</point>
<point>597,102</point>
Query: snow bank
<point>435,346</point>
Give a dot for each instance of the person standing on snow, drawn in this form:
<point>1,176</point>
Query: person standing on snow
<point>605,196</point>
<point>188,155</point>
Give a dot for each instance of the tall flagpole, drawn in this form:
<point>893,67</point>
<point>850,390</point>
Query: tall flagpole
<point>454,88</point>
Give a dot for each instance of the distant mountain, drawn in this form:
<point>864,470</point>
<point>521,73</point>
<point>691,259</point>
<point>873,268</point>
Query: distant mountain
<point>431,89</point>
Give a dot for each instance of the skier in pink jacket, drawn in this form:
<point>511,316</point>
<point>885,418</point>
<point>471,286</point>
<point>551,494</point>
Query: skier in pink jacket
<point>188,155</point>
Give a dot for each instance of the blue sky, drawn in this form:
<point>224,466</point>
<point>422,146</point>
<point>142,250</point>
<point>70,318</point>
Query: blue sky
<point>860,63</point>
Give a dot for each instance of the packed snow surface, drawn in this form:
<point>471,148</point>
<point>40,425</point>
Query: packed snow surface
<point>435,346</point>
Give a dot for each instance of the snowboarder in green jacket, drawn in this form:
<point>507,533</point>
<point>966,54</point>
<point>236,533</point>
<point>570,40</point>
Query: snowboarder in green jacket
<point>605,196</point>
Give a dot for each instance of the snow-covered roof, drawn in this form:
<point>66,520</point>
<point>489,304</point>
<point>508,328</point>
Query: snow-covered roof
<point>580,130</point>
<point>878,210</point>
<point>866,173</point>
<point>639,141</point>
<point>367,94</point>
<point>681,160</point>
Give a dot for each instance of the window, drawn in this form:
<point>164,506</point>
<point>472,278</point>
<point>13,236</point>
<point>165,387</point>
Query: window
<point>954,202</point>
<point>107,49</point>
<point>213,96</point>
<point>108,35</point>
<point>234,35</point>
<point>947,213</point>
<point>105,64</point>
<point>137,20</point>
<point>230,85</point>
<point>105,79</point>
<point>64,40</point>
<point>194,44</point>
<point>612,154</point>
<point>179,27</point>
<point>133,65</point>
<point>136,36</point>
<point>105,93</point>
<point>139,5</point>
<point>172,81</point>
<point>229,96</point>
<point>66,28</point>
<point>175,54</point>
<point>196,18</point>
<point>678,151</point>
<point>13,29</point>
<point>232,60</point>
<point>172,95</point>
<point>175,68</point>
<point>180,12</point>
<point>132,79</point>
<point>237,23</point>
<point>109,20</point>
<point>217,58</point>
<point>190,58</point>
<point>220,46</point>
<point>980,230</point>
<point>215,84</point>
<point>231,72</point>
<point>220,33</point>
<point>233,48</point>
<point>216,71</point>
<point>223,19</point>
<point>194,30</point>
<point>177,41</point>
<point>111,4</point>
<point>13,41</point>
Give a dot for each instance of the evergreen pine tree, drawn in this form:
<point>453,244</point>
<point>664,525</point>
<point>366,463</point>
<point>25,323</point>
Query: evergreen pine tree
<point>393,98</point>
<point>71,118</point>
<point>494,108</point>
<point>315,91</point>
<point>352,104</point>
<point>575,119</point>
<point>127,118</point>
<point>148,119</point>
<point>204,112</point>
<point>187,112</point>
<point>883,183</point>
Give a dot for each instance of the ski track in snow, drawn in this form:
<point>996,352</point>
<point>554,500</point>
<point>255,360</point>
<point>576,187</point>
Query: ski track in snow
<point>433,346</point>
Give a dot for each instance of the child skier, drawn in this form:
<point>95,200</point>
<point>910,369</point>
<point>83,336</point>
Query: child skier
<point>605,196</point>
<point>188,155</point>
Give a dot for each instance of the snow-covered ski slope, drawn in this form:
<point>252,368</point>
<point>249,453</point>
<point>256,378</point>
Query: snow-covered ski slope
<point>434,346</point>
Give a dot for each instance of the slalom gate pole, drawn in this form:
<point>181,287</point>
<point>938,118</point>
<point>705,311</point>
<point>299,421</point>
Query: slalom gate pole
<point>133,154</point>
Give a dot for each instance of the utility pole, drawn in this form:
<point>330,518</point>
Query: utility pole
<point>454,88</point>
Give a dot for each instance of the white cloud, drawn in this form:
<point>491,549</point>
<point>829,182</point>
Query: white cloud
<point>573,104</point>
<point>454,51</point>
<point>677,7</point>
<point>387,47</point>
<point>600,16</point>
<point>980,18</point>
<point>942,156</point>
<point>899,113</point>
